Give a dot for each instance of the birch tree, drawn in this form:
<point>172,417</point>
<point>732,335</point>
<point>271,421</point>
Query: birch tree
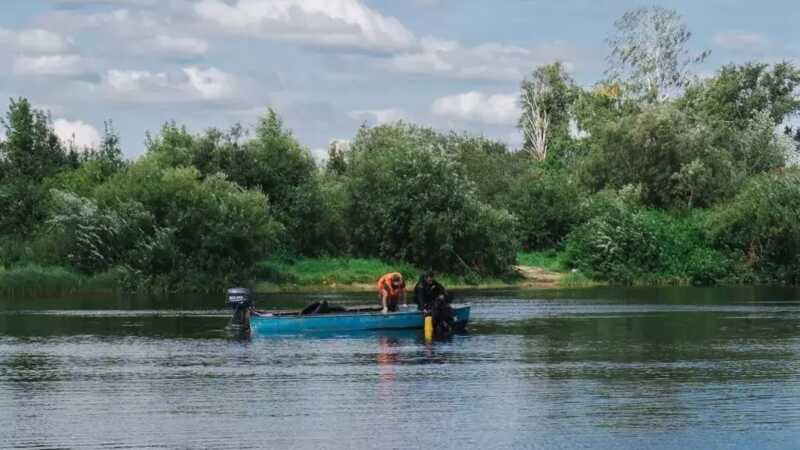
<point>649,52</point>
<point>545,100</point>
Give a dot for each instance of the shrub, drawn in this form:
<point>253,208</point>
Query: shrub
<point>409,200</point>
<point>625,243</point>
<point>173,230</point>
<point>760,228</point>
<point>547,205</point>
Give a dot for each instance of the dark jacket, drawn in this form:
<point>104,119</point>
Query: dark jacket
<point>426,293</point>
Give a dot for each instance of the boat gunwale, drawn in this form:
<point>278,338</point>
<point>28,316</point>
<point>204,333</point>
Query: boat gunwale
<point>289,314</point>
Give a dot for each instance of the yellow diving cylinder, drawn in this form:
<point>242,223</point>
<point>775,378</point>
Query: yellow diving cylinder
<point>428,328</point>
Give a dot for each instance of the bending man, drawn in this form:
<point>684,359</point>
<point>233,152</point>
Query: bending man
<point>391,290</point>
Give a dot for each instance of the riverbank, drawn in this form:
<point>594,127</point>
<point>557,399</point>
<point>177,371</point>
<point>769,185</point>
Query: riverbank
<point>534,271</point>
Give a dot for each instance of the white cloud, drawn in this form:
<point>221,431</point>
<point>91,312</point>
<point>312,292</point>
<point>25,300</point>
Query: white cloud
<point>77,132</point>
<point>6,36</point>
<point>56,65</point>
<point>379,116</point>
<point>339,23</point>
<point>490,61</point>
<point>493,109</point>
<point>42,41</point>
<point>181,46</point>
<point>189,84</point>
<point>737,40</point>
<point>35,40</point>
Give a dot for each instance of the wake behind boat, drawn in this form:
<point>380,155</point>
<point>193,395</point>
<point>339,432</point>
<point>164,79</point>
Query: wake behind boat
<point>323,317</point>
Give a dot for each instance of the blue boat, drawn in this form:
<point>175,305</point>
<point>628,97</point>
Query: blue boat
<point>352,319</point>
<point>355,318</point>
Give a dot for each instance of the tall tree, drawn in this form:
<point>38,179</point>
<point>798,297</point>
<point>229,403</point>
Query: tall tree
<point>740,93</point>
<point>30,153</point>
<point>546,99</point>
<point>649,52</point>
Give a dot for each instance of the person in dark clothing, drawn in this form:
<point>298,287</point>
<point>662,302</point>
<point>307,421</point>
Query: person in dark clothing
<point>434,300</point>
<point>426,291</point>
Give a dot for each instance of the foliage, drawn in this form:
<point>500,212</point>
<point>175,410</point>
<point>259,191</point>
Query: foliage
<point>649,52</point>
<point>30,153</point>
<point>167,228</point>
<point>547,259</point>
<point>739,93</point>
<point>488,164</point>
<point>347,273</point>
<point>273,162</point>
<point>409,200</point>
<point>547,205</point>
<point>625,243</point>
<point>546,101</point>
<point>663,152</point>
<point>760,228</point>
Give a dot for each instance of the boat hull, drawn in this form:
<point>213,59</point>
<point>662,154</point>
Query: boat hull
<point>266,323</point>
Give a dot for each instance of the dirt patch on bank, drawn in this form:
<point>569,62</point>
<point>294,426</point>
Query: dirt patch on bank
<point>536,277</point>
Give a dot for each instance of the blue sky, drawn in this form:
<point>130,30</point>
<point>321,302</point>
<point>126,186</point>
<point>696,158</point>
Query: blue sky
<point>328,66</point>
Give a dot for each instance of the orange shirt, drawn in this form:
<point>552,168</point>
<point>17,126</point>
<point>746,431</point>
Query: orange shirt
<point>386,283</point>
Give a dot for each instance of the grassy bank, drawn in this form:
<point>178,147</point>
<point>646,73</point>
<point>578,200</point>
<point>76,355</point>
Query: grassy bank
<point>52,279</point>
<point>318,274</point>
<point>535,270</point>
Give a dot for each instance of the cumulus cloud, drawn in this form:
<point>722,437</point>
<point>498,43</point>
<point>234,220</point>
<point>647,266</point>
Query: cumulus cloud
<point>337,23</point>
<point>379,116</point>
<point>38,40</point>
<point>187,85</point>
<point>737,40</point>
<point>179,46</point>
<point>490,61</point>
<point>78,133</point>
<point>35,40</point>
<point>493,109</point>
<point>54,65</point>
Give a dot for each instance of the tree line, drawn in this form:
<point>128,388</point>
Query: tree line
<point>650,175</point>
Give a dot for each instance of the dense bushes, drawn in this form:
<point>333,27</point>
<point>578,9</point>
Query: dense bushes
<point>695,188</point>
<point>625,243</point>
<point>166,228</point>
<point>548,206</point>
<point>408,200</point>
<point>760,228</point>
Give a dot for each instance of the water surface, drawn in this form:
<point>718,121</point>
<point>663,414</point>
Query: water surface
<point>592,368</point>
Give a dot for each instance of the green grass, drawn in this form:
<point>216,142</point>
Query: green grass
<point>548,259</point>
<point>326,273</point>
<point>577,280</point>
<point>51,279</point>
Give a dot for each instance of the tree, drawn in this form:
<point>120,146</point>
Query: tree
<point>649,52</point>
<point>30,153</point>
<point>273,162</point>
<point>739,93</point>
<point>409,199</point>
<point>546,99</point>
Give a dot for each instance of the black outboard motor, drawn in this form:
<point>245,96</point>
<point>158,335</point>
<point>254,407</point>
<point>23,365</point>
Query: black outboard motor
<point>241,300</point>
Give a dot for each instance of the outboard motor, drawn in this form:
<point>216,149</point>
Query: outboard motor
<point>241,300</point>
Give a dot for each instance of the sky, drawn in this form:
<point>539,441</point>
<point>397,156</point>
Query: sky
<point>329,66</point>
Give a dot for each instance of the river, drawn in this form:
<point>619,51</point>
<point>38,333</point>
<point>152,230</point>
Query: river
<point>586,368</point>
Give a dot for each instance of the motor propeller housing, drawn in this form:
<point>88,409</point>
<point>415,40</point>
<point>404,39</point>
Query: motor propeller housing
<point>241,301</point>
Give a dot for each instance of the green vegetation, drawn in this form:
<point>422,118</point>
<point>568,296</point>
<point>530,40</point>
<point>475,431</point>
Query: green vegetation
<point>350,273</point>
<point>53,279</point>
<point>551,260</point>
<point>648,177</point>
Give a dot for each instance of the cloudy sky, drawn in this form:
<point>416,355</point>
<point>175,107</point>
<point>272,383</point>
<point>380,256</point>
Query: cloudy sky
<point>328,66</point>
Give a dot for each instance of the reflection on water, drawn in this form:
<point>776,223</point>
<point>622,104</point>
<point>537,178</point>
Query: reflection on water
<point>596,368</point>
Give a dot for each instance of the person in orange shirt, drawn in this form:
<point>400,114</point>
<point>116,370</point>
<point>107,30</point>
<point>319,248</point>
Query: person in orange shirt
<point>391,290</point>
